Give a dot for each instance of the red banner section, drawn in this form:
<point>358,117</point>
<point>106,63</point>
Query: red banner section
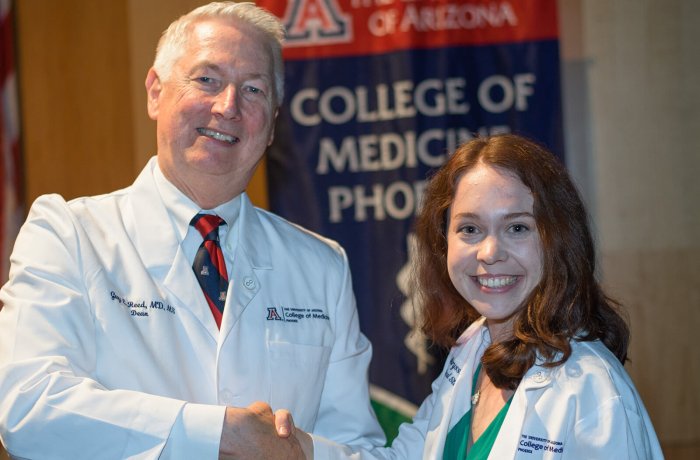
<point>329,28</point>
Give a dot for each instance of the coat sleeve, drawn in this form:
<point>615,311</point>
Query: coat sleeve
<point>51,403</point>
<point>409,444</point>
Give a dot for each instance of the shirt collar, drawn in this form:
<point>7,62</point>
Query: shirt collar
<point>182,209</point>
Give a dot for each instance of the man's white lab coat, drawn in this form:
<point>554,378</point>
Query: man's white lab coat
<point>105,333</point>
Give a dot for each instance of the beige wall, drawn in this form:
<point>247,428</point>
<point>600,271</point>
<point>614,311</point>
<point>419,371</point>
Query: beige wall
<point>75,105</point>
<point>632,121</point>
<point>632,106</point>
<point>82,69</point>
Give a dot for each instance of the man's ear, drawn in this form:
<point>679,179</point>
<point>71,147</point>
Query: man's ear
<point>153,88</point>
<point>272,131</point>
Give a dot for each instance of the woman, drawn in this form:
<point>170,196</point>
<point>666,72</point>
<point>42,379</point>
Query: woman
<point>505,252</point>
<point>506,275</point>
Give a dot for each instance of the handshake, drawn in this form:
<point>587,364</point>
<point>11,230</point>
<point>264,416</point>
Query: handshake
<point>255,432</point>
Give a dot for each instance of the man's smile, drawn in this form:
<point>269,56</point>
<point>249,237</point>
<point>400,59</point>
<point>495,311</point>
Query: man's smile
<point>216,135</point>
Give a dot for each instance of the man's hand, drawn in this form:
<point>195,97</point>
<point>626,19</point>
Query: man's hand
<point>253,433</point>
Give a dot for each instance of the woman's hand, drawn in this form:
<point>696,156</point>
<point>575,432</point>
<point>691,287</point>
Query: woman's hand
<point>284,424</point>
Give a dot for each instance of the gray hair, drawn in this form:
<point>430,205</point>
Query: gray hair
<point>173,42</point>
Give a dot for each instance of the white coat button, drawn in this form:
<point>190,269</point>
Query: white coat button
<point>249,283</point>
<point>539,377</point>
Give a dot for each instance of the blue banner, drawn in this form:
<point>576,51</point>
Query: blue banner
<point>378,93</point>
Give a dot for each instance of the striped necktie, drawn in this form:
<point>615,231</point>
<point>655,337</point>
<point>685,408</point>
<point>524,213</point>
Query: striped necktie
<point>209,266</point>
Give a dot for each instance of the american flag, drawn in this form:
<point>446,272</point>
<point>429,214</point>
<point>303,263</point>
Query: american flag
<point>11,188</point>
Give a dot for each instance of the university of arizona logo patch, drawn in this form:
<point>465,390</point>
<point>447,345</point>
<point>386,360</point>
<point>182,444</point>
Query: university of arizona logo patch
<point>316,22</point>
<point>272,314</point>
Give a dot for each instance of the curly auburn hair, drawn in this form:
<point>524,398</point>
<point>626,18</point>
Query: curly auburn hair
<point>568,303</point>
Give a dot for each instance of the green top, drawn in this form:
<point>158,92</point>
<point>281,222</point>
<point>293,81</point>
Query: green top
<point>458,437</point>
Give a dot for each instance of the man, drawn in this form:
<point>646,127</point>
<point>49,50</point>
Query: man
<point>125,331</point>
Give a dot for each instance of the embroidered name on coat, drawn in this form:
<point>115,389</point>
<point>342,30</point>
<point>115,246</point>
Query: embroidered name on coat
<point>532,444</point>
<point>142,308</point>
<point>295,314</point>
<point>452,371</point>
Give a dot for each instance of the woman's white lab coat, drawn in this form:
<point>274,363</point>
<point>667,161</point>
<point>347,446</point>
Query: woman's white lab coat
<point>586,408</point>
<point>106,333</point>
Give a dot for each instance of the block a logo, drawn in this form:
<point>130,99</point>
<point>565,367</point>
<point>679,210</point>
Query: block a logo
<point>272,314</point>
<point>316,22</point>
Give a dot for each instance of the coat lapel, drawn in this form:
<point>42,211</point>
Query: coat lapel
<point>251,257</point>
<point>464,357</point>
<point>151,229</point>
<point>506,444</point>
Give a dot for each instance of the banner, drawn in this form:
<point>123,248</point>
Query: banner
<point>378,94</point>
<point>11,210</point>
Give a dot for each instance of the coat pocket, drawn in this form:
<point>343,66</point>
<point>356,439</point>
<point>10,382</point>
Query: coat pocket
<point>297,373</point>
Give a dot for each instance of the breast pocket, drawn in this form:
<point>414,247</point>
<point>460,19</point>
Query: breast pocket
<point>298,373</point>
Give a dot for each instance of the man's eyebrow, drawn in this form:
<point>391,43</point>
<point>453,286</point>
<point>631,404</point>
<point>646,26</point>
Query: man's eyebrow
<point>207,65</point>
<point>215,67</point>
